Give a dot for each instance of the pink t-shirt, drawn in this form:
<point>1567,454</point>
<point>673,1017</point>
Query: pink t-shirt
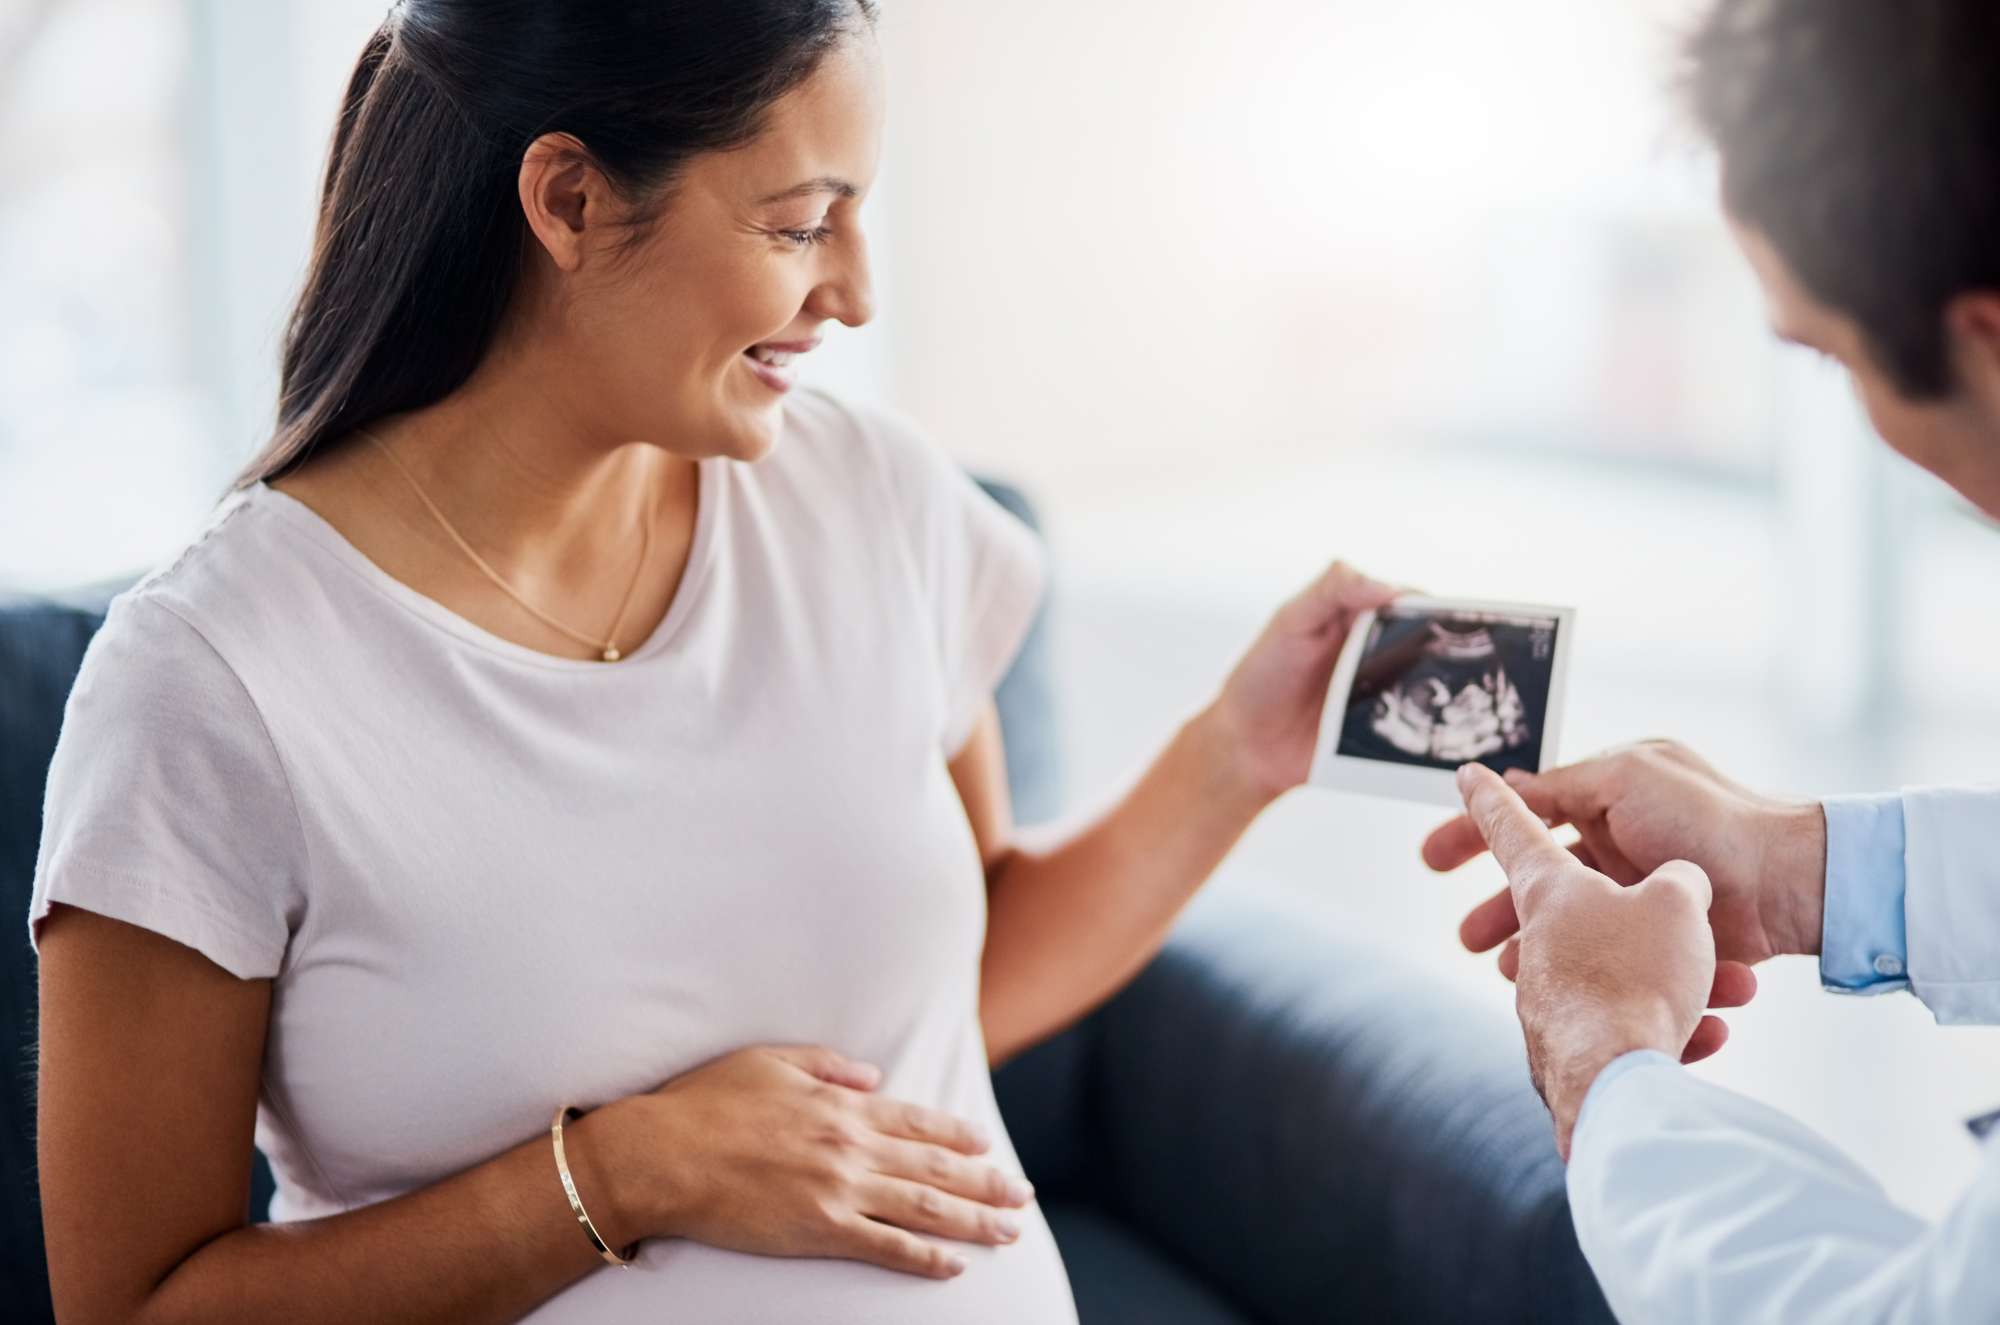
<point>486,881</point>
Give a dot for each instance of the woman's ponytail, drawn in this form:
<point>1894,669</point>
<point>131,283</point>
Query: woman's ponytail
<point>363,78</point>
<point>413,260</point>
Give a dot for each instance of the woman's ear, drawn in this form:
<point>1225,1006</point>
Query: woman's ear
<point>563,194</point>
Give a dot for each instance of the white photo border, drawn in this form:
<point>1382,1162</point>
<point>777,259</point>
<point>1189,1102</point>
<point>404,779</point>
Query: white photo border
<point>1410,782</point>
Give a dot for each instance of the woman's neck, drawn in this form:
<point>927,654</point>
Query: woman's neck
<point>521,482</point>
<point>555,511</point>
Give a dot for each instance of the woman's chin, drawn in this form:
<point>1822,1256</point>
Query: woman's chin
<point>754,432</point>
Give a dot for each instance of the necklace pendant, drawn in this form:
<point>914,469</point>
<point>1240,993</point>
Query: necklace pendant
<point>612,655</point>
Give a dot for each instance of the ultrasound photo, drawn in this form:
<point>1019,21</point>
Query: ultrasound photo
<point>1440,688</point>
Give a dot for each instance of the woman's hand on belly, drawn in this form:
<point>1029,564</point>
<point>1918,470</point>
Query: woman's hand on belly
<point>786,1151</point>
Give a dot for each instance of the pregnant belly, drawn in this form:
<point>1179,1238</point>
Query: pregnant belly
<point>691,1284</point>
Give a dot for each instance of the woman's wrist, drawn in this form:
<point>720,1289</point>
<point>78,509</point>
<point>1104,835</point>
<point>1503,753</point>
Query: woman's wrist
<point>1233,777</point>
<point>621,1202</point>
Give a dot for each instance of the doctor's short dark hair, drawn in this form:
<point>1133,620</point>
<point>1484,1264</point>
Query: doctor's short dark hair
<point>1862,139</point>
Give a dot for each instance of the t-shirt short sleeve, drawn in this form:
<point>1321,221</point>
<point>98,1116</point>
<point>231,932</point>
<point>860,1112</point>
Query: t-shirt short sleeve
<point>979,570</point>
<point>167,806</point>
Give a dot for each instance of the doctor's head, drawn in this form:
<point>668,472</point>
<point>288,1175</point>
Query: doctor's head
<point>1860,154</point>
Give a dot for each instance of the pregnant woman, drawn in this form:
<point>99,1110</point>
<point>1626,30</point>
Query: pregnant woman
<point>556,807</point>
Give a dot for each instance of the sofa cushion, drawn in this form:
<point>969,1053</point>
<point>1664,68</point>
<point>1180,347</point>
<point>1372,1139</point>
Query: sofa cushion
<point>41,644</point>
<point>1349,1138</point>
<point>1117,1276</point>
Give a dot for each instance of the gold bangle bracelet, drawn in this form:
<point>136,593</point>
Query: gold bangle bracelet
<point>624,1261</point>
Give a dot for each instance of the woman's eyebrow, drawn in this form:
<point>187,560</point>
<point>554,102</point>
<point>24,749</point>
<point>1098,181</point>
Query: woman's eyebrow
<point>840,188</point>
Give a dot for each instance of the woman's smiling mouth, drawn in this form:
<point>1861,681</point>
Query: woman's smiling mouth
<point>773,362</point>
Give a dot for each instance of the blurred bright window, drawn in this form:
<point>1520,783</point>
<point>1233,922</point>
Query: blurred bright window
<point>105,441</point>
<point>1439,287</point>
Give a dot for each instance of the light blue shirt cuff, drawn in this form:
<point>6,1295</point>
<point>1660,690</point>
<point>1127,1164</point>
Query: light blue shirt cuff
<point>1864,944</point>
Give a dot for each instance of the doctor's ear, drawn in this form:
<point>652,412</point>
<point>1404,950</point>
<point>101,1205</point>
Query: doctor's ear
<point>1973,319</point>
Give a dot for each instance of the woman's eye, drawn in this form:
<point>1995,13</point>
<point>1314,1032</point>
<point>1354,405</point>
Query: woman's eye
<point>806,238</point>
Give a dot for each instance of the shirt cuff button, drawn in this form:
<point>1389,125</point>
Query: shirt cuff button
<point>1888,965</point>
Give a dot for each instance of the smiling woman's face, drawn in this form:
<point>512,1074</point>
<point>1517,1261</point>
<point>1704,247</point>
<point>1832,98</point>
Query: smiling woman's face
<point>688,341</point>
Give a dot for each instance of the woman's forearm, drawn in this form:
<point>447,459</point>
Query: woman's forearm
<point>1073,917</point>
<point>486,1245</point>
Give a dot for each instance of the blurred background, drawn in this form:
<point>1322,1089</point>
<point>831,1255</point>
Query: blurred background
<point>1437,287</point>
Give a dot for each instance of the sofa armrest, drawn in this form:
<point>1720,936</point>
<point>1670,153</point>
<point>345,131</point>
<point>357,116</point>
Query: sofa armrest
<point>1327,1135</point>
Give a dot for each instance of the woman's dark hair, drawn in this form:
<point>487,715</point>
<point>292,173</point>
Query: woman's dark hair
<point>1862,139</point>
<point>420,235</point>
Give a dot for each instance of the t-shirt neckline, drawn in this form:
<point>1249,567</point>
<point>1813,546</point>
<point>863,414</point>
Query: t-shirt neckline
<point>324,536</point>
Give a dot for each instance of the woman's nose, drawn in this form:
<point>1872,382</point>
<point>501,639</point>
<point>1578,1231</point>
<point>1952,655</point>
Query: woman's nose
<point>847,296</point>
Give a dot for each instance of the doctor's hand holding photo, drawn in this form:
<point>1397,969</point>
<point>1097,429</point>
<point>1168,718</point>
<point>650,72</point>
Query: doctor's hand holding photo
<point>1635,808</point>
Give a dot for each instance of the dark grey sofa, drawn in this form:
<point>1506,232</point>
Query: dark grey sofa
<point>1269,1124</point>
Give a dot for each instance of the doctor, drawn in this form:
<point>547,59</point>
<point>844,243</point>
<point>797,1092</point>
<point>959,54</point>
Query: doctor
<point>1860,146</point>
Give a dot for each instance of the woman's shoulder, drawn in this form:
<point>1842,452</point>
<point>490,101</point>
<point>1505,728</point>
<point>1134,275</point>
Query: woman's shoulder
<point>156,653</point>
<point>150,669</point>
<point>219,543</point>
<point>166,804</point>
<point>237,580</point>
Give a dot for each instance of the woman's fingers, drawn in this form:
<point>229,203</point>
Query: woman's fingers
<point>895,1249</point>
<point>913,1122</point>
<point>948,1171</point>
<point>838,1069</point>
<point>1510,959</point>
<point>1335,596</point>
<point>921,1208</point>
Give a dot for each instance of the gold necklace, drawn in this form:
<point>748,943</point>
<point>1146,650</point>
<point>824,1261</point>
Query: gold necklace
<point>608,646</point>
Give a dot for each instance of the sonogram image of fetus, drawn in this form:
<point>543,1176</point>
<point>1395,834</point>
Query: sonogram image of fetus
<point>1443,695</point>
